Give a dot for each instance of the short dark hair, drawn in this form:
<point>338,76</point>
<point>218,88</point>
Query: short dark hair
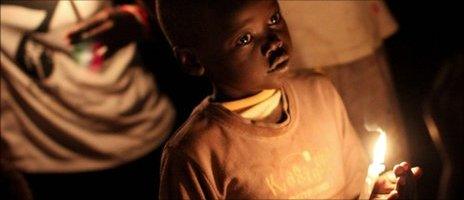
<point>182,21</point>
<point>185,22</point>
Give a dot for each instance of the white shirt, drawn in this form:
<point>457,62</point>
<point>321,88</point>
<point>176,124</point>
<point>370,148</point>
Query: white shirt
<point>74,119</point>
<point>328,33</point>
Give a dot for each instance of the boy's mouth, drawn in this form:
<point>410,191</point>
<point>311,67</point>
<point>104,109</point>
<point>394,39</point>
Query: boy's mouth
<point>278,60</point>
<point>279,64</point>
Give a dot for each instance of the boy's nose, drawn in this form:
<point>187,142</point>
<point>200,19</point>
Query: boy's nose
<point>273,43</point>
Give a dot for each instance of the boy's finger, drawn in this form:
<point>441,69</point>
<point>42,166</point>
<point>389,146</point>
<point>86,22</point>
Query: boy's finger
<point>384,187</point>
<point>401,181</point>
<point>417,171</point>
<point>401,168</point>
<point>405,165</point>
<point>398,170</point>
<point>393,195</point>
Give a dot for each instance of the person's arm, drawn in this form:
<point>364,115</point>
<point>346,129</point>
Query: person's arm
<point>182,178</point>
<point>113,27</point>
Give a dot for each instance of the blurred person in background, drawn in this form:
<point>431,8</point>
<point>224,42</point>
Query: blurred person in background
<point>344,41</point>
<point>444,117</point>
<point>80,117</point>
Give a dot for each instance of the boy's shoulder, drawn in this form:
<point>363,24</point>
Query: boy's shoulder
<point>195,133</point>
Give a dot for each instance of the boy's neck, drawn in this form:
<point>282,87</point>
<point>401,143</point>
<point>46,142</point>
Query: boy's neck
<point>276,116</point>
<point>225,93</point>
<point>220,96</point>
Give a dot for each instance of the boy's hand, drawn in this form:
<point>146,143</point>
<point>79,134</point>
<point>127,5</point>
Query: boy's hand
<point>392,183</point>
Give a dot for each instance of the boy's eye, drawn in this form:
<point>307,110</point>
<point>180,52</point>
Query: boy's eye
<point>275,18</point>
<point>244,40</point>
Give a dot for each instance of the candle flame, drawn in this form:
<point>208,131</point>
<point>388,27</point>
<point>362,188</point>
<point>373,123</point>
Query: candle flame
<point>380,148</point>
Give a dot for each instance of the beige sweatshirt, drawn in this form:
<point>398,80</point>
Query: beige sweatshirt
<point>314,153</point>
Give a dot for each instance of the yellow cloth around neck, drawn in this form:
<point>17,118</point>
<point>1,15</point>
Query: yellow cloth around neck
<point>258,106</point>
<point>263,109</point>
<point>249,101</point>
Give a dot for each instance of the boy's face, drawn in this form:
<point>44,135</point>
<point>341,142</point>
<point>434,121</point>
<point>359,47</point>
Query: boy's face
<point>247,49</point>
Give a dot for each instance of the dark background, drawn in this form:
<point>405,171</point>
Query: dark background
<point>428,37</point>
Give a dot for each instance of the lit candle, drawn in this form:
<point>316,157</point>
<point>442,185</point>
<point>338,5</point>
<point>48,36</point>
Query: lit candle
<point>376,167</point>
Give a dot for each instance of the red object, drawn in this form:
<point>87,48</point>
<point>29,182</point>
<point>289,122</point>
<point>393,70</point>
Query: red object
<point>96,63</point>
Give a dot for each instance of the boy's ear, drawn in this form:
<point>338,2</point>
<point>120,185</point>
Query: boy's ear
<point>189,61</point>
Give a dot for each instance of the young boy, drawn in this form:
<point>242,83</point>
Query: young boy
<point>264,133</point>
